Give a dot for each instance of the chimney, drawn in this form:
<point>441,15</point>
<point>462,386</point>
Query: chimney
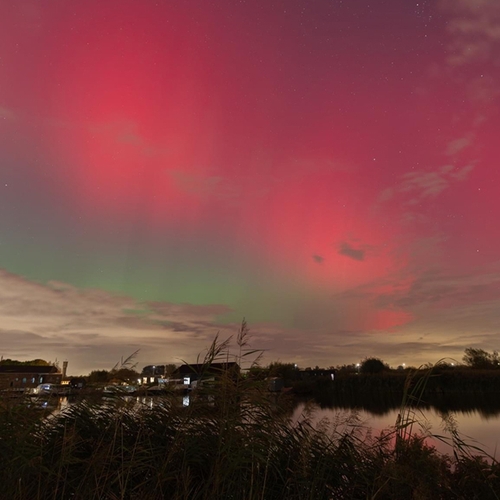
<point>65,368</point>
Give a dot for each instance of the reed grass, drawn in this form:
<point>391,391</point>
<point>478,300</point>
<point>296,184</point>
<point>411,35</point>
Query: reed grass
<point>234,441</point>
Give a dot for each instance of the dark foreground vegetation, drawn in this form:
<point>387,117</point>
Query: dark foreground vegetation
<point>228,451</point>
<point>234,441</point>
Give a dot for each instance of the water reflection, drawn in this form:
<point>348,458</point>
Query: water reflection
<point>50,404</point>
<point>477,417</point>
<point>383,403</point>
<point>477,427</point>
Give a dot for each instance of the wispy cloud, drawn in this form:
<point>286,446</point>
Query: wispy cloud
<point>457,145</point>
<point>421,184</point>
<point>475,30</point>
<point>437,289</point>
<point>474,42</point>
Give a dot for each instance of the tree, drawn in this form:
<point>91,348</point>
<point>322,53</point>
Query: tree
<point>98,377</point>
<point>257,372</point>
<point>373,365</point>
<point>479,358</point>
<point>287,371</point>
<point>346,369</point>
<point>33,362</point>
<point>170,369</point>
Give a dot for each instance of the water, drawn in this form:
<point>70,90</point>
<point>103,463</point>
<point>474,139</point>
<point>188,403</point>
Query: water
<point>476,427</point>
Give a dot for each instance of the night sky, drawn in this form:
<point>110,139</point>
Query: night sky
<point>327,169</point>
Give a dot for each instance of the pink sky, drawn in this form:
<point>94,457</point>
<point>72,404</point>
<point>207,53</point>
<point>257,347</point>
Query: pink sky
<point>327,170</point>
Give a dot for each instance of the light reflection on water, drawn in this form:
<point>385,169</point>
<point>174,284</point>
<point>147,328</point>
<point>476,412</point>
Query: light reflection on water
<point>475,427</point>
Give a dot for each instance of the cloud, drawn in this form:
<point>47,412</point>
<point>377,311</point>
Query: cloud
<point>435,289</point>
<point>432,312</point>
<point>473,50</point>
<point>462,173</point>
<point>422,184</point>
<point>94,328</point>
<point>349,251</point>
<point>450,311</point>
<point>426,184</point>
<point>474,30</point>
<point>188,312</point>
<point>457,145</point>
<point>318,259</point>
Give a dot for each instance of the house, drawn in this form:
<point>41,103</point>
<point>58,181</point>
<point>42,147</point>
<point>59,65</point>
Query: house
<point>191,374</point>
<point>152,375</point>
<point>186,376</point>
<point>20,377</point>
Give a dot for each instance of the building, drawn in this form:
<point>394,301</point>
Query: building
<point>187,375</point>
<point>20,377</point>
<point>191,374</point>
<point>153,375</point>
